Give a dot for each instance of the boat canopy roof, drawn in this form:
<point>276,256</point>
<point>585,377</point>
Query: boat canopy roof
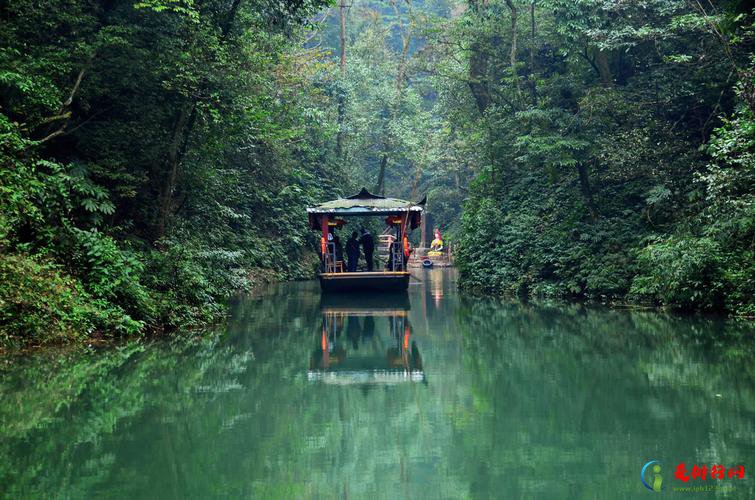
<point>365,204</point>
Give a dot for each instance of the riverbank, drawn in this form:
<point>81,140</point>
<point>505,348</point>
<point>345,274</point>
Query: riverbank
<point>42,305</point>
<point>616,303</point>
<point>528,243</point>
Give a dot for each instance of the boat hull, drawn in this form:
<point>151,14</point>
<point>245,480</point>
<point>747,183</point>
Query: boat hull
<point>364,282</point>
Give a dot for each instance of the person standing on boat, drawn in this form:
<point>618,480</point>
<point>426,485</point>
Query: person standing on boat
<point>368,246</point>
<point>352,252</point>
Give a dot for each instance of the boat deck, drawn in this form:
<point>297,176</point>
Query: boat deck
<point>367,281</point>
<point>365,274</point>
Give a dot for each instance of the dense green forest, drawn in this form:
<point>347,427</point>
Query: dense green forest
<point>157,155</point>
<point>620,152</point>
<point>155,158</point>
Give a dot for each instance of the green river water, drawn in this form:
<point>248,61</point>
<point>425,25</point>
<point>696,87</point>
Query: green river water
<point>438,396</point>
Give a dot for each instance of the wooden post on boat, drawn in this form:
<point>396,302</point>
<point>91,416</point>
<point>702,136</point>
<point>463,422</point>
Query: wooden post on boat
<point>404,256</point>
<point>324,225</point>
<point>423,233</point>
<point>324,241</point>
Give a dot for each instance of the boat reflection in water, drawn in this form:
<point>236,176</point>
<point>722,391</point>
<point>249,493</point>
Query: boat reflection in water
<point>365,340</point>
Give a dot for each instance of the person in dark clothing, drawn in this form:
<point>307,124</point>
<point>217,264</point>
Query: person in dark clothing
<point>368,247</point>
<point>352,252</point>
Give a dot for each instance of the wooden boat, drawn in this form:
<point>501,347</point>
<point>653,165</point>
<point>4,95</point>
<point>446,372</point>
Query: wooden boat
<point>377,281</point>
<point>401,217</point>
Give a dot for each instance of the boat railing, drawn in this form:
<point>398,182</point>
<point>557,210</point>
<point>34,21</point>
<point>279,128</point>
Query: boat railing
<point>397,258</point>
<point>331,264</point>
<point>396,261</point>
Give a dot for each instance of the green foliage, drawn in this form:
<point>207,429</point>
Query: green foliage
<point>109,272</point>
<point>183,7</point>
<point>531,245</point>
<point>39,304</point>
<point>612,168</point>
<point>683,273</point>
<point>156,155</point>
<point>710,264</point>
<point>159,153</point>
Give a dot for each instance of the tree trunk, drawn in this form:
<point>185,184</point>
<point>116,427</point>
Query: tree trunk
<point>417,178</point>
<point>341,103</point>
<point>584,184</point>
<point>401,70</point>
<point>533,87</point>
<point>478,67</point>
<point>512,53</point>
<point>603,67</point>
<point>380,187</point>
<point>406,38</point>
<point>179,143</point>
<point>342,17</point>
<point>423,231</point>
<point>478,77</point>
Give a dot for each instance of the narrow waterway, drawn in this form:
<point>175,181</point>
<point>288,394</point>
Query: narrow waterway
<point>437,396</point>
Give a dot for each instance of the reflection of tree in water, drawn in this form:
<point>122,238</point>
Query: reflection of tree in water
<point>56,442</point>
<point>568,390</point>
<point>69,408</point>
<point>531,401</point>
<point>224,414</point>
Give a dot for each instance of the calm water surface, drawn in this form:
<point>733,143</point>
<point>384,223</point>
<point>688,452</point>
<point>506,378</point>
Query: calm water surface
<point>437,396</point>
